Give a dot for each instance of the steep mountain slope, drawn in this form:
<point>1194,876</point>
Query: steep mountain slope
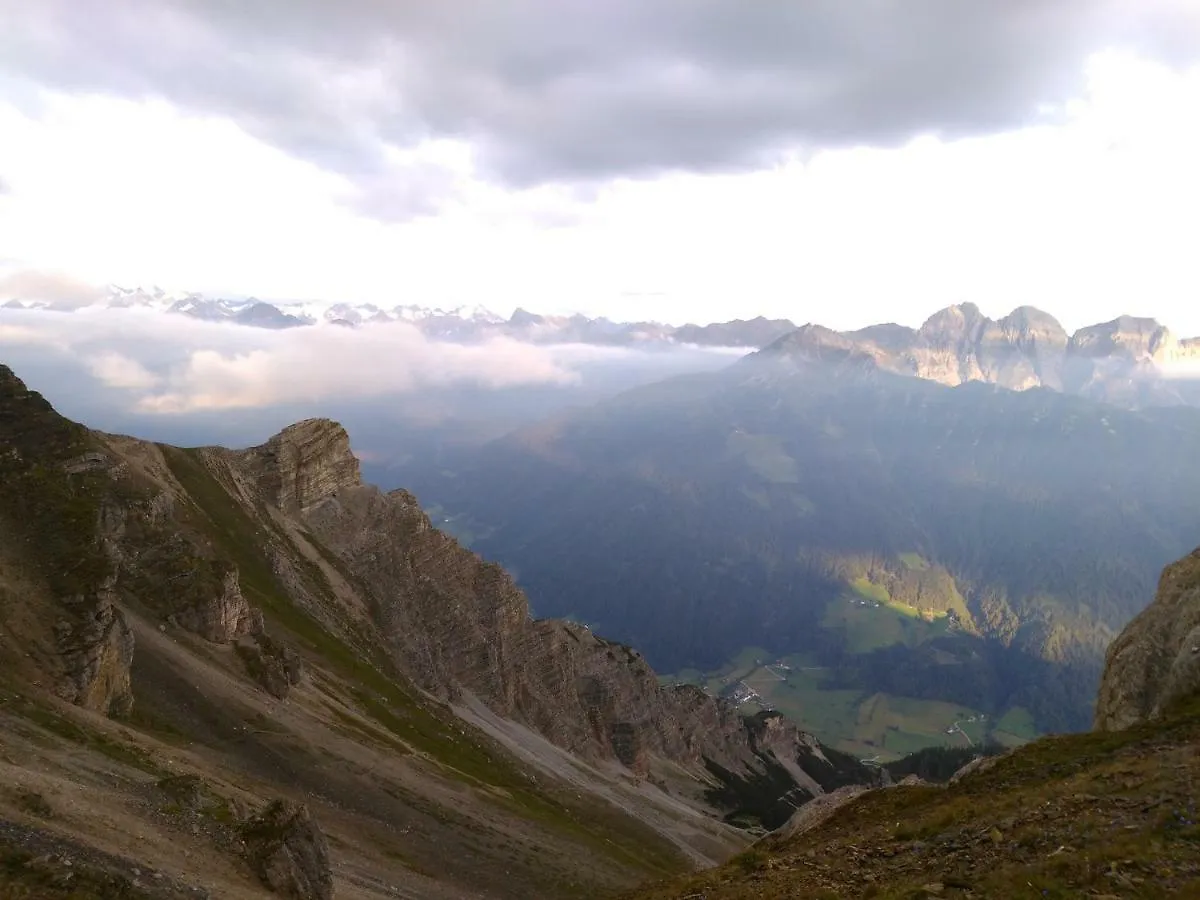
<point>262,625</point>
<point>1111,813</point>
<point>972,545</point>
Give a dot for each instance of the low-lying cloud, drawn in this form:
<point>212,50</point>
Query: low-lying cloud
<point>157,364</point>
<point>177,365</point>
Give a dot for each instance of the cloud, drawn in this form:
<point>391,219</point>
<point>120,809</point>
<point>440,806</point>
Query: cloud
<point>552,91</point>
<point>61,291</point>
<point>321,364</point>
<point>174,365</point>
<point>119,371</point>
<point>1184,368</point>
<point>12,335</point>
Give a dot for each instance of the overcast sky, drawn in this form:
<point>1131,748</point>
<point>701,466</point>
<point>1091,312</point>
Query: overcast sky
<point>833,161</point>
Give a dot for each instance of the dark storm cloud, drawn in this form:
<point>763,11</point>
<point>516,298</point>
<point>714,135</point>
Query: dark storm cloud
<point>577,90</point>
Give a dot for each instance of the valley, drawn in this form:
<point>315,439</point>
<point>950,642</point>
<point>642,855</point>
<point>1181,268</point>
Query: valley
<point>876,728</point>
<point>968,545</point>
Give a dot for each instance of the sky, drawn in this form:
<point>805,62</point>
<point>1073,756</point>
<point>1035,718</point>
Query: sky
<point>686,160</point>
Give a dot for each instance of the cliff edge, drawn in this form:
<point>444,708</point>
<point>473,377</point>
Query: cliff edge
<point>1155,662</point>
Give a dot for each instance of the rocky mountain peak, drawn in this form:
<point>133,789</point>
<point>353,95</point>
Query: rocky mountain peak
<point>814,342</point>
<point>961,322</point>
<point>522,316</point>
<point>1126,337</point>
<point>1028,325</point>
<point>304,464</point>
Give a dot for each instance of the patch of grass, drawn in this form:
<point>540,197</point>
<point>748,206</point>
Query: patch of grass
<point>34,803</point>
<point>868,627</point>
<point>764,455</point>
<point>1017,722</point>
<point>24,876</point>
<point>97,741</point>
<point>751,861</point>
<point>914,562</point>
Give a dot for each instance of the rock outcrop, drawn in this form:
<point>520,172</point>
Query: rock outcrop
<point>288,852</point>
<point>221,615</point>
<point>1156,660</point>
<point>274,665</point>
<point>96,646</point>
<point>303,464</point>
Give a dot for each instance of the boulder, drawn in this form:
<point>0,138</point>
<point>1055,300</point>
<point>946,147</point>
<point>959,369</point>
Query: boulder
<point>287,850</point>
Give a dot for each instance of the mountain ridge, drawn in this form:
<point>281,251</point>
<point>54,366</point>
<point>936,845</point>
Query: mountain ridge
<point>275,614</point>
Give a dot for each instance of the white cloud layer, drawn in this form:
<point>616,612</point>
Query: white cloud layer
<point>172,365</point>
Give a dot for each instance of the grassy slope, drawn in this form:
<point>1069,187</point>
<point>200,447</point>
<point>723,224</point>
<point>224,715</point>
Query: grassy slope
<point>1081,815</point>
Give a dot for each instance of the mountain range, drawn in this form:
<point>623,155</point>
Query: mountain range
<point>247,673</point>
<point>463,324</point>
<point>1128,361</point>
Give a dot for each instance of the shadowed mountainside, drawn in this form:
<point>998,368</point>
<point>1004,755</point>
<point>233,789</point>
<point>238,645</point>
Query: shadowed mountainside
<point>1004,536</point>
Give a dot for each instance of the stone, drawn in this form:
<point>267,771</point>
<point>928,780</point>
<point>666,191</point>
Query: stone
<point>274,665</point>
<point>287,850</point>
<point>220,616</point>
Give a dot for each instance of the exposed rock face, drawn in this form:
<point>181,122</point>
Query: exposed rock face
<point>1121,361</point>
<point>277,667</point>
<point>288,852</point>
<point>1156,660</point>
<point>220,616</point>
<point>97,652</point>
<point>304,463</point>
<point>457,624</point>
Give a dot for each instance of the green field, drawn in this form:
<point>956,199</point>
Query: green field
<point>870,619</point>
<point>867,725</point>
